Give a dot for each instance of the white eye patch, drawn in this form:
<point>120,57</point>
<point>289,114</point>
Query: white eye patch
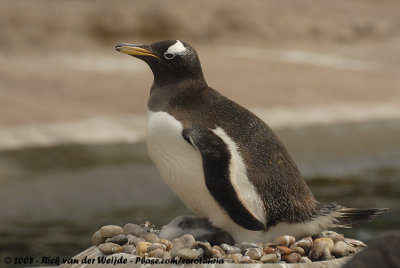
<point>176,49</point>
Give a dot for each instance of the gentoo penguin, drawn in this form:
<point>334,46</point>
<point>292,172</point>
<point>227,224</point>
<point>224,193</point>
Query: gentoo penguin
<point>223,161</point>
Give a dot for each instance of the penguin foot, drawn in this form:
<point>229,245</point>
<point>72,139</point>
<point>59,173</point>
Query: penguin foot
<point>200,228</point>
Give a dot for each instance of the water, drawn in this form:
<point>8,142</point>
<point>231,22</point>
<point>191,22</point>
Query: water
<point>53,199</point>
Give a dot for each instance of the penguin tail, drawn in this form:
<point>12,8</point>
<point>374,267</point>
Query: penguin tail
<point>347,217</point>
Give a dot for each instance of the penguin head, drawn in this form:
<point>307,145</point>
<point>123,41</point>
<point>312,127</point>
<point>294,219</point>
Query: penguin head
<point>171,61</point>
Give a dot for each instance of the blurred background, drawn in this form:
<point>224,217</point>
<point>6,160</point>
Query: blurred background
<point>325,75</point>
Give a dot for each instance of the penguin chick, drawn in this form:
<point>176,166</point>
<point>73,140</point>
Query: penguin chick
<point>224,162</point>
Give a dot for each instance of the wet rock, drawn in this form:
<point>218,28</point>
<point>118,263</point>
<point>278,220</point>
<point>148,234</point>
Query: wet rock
<point>134,240</point>
<point>110,248</point>
<point>155,246</point>
<point>208,251</point>
<point>129,249</point>
<point>118,239</point>
<point>166,243</point>
<point>270,258</point>
<point>97,239</point>
<point>134,229</point>
<point>341,249</point>
<point>299,250</point>
<point>230,249</point>
<point>284,250</point>
<point>269,250</point>
<point>158,253</point>
<point>306,243</point>
<point>285,240</point>
<point>141,248</point>
<point>111,231</point>
<point>254,253</point>
<point>292,258</point>
<point>152,238</point>
<point>187,254</point>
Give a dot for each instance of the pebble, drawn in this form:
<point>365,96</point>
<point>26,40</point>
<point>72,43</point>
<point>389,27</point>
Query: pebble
<point>305,260</point>
<point>284,250</point>
<point>111,231</point>
<point>355,242</point>
<point>321,250</point>
<point>270,258</point>
<point>97,239</point>
<point>187,254</point>
<point>285,240</point>
<point>134,229</point>
<point>292,258</point>
<point>341,249</point>
<point>246,245</point>
<point>158,253</point>
<point>327,242</point>
<point>234,256</point>
<point>155,246</point>
<point>299,250</point>
<point>166,243</point>
<point>152,238</point>
<point>306,243</point>
<point>186,241</point>
<point>230,249</point>
<point>220,250</point>
<point>110,248</point>
<point>129,249</point>
<point>134,240</point>
<point>207,249</point>
<point>244,259</point>
<point>141,248</point>
<point>269,250</point>
<point>118,239</point>
<point>254,253</point>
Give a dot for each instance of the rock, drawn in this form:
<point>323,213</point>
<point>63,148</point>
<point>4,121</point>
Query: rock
<point>155,246</point>
<point>327,255</point>
<point>355,243</point>
<point>270,258</point>
<point>321,250</point>
<point>141,248</point>
<point>341,249</point>
<point>97,239</point>
<point>185,241</point>
<point>129,249</point>
<point>166,243</point>
<point>110,248</point>
<point>292,258</point>
<point>134,240</point>
<point>221,251</point>
<point>230,249</point>
<point>208,251</point>
<point>111,231</point>
<point>148,227</point>
<point>306,243</point>
<point>217,253</point>
<point>158,253</point>
<point>246,245</point>
<point>118,239</point>
<point>134,229</point>
<point>299,250</point>
<point>305,260</point>
<point>284,250</point>
<point>152,238</point>
<point>254,253</point>
<point>327,242</point>
<point>269,250</point>
<point>285,240</point>
<point>234,256</point>
<point>244,259</point>
<point>187,254</point>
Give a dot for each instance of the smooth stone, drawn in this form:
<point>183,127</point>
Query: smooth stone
<point>269,250</point>
<point>305,260</point>
<point>270,258</point>
<point>166,243</point>
<point>187,254</point>
<point>341,249</point>
<point>284,250</point>
<point>155,246</point>
<point>355,243</point>
<point>299,250</point>
<point>221,251</point>
<point>110,248</point>
<point>134,240</point>
<point>148,227</point>
<point>129,249</point>
<point>305,243</point>
<point>321,250</point>
<point>234,256</point>
<point>152,238</point>
<point>111,231</point>
<point>158,253</point>
<point>185,241</point>
<point>118,239</point>
<point>230,249</point>
<point>97,239</point>
<point>327,255</point>
<point>292,258</point>
<point>200,252</point>
<point>244,259</point>
<point>246,245</point>
<point>254,253</point>
<point>208,251</point>
<point>134,229</point>
<point>326,241</point>
<point>142,247</point>
<point>285,240</point>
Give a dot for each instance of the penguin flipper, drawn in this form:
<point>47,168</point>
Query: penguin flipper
<point>216,165</point>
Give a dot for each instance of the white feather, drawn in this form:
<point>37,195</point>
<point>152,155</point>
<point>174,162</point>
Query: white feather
<point>177,49</point>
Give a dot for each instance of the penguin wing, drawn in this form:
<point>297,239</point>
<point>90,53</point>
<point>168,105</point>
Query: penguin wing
<point>216,158</point>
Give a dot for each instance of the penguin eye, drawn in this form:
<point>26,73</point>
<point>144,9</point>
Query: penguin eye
<point>169,56</point>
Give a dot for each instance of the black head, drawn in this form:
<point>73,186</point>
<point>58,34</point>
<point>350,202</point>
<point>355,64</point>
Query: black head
<point>171,61</point>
